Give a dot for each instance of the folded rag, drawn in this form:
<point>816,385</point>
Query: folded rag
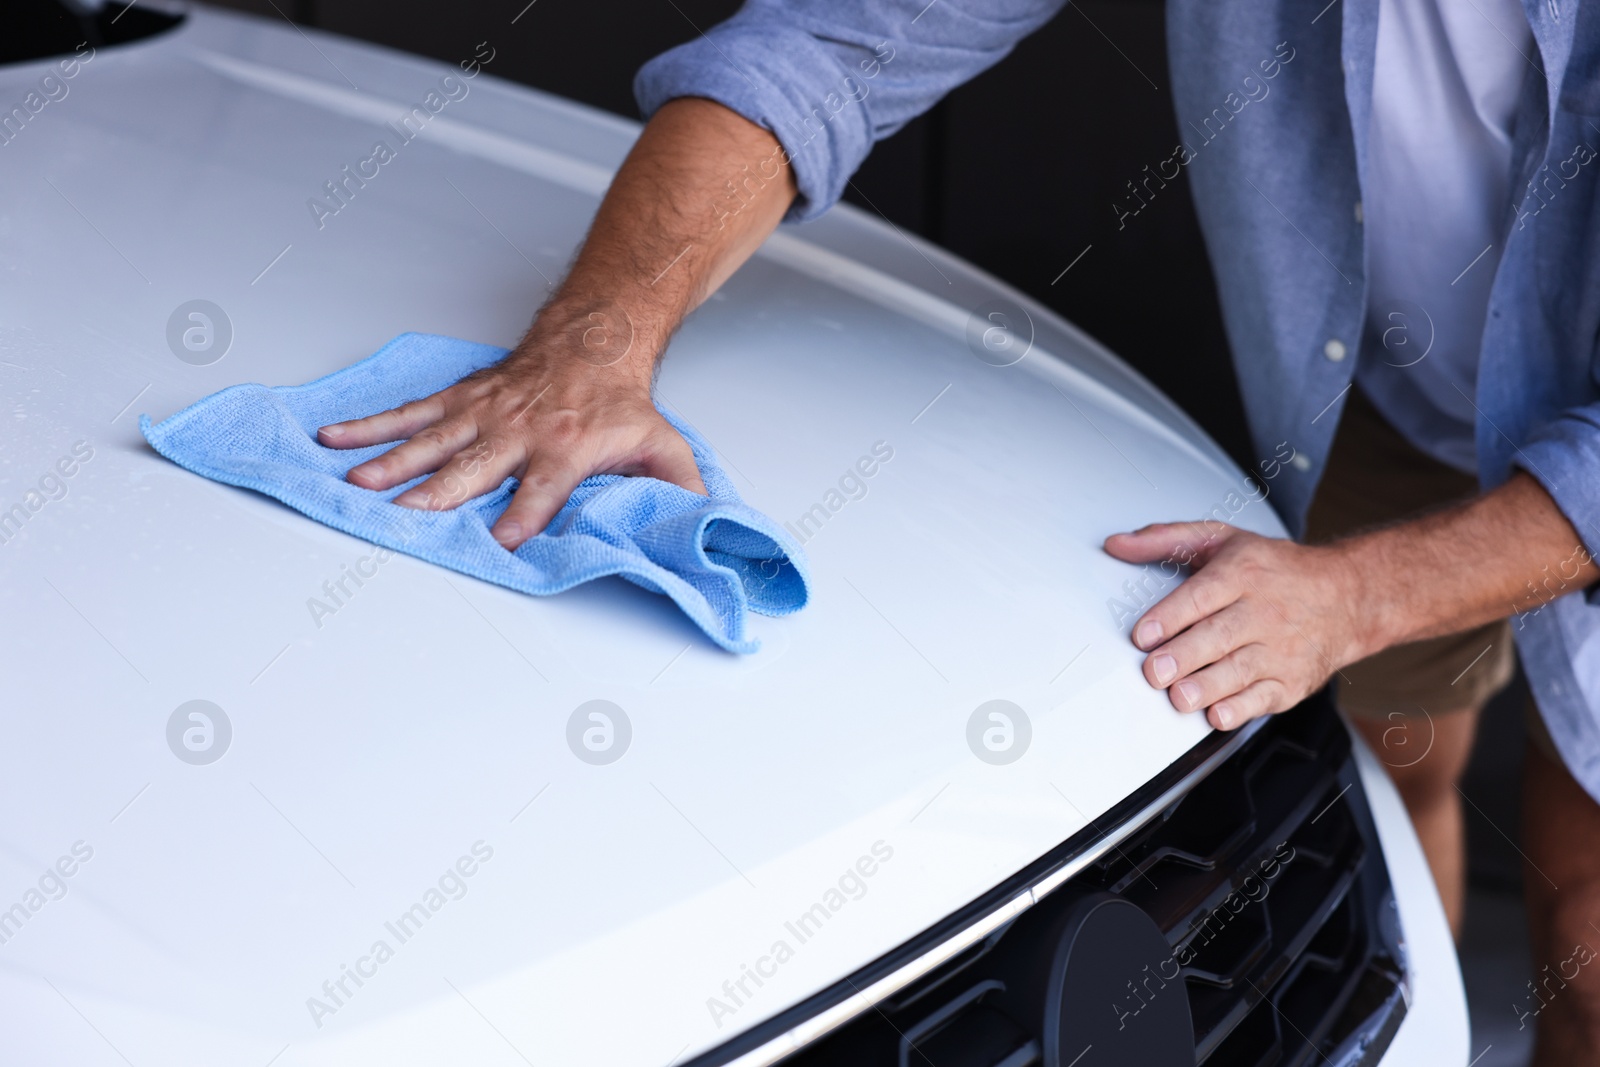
<point>718,558</point>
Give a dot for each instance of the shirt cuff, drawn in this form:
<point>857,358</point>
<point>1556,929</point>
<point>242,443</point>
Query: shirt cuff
<point>783,79</point>
<point>1564,457</point>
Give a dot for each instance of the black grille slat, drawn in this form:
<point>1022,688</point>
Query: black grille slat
<point>1271,800</point>
<point>1216,1013</point>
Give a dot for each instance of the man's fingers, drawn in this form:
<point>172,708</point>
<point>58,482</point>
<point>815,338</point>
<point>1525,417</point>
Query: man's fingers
<point>468,457</point>
<point>669,458</point>
<point>1201,596</point>
<point>1229,675</point>
<point>1257,699</point>
<point>546,485</point>
<point>552,475</point>
<point>1186,542</point>
<point>428,450</point>
<point>1196,648</point>
<point>471,472</point>
<point>393,425</point>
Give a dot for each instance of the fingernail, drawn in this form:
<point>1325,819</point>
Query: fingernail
<point>1224,716</point>
<point>1190,692</point>
<point>414,498</point>
<point>1165,669</point>
<point>332,432</point>
<point>1147,633</point>
<point>507,533</point>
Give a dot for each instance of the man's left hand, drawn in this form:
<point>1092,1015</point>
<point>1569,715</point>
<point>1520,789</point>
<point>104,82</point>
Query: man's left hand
<point>1259,625</point>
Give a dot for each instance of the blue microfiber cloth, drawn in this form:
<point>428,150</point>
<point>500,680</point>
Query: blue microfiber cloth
<point>718,558</point>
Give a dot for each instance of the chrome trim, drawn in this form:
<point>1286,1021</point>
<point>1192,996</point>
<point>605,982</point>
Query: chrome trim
<point>830,1019</point>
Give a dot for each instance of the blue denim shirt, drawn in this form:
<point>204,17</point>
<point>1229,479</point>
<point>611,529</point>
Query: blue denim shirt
<point>1273,100</point>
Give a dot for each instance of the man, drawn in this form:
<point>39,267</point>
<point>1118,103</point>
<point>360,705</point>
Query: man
<point>1398,200</point>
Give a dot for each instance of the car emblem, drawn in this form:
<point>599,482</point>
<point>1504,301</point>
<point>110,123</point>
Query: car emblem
<point>1112,994</point>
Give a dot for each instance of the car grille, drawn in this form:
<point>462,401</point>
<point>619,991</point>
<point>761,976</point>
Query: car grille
<point>1268,883</point>
<point>1281,971</point>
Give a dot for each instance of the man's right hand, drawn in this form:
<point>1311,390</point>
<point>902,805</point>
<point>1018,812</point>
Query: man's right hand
<point>698,194</point>
<point>553,412</point>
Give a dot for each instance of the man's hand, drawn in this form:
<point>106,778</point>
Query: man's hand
<point>551,413</point>
<point>1259,626</point>
<point>1262,623</point>
<point>698,194</point>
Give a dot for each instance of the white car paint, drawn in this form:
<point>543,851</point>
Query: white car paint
<point>374,748</point>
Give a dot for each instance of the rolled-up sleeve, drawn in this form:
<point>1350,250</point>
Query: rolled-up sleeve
<point>1564,456</point>
<point>831,77</point>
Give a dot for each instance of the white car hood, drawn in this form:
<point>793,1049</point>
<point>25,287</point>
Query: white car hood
<point>374,748</point>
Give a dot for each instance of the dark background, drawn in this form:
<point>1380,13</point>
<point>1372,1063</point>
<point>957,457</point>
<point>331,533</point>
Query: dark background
<point>1016,172</point>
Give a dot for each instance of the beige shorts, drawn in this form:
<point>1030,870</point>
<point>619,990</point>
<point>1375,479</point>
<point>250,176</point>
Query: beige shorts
<point>1375,477</point>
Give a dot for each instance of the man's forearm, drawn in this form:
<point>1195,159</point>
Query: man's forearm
<point>698,194</point>
<point>1510,550</point>
<point>700,191</point>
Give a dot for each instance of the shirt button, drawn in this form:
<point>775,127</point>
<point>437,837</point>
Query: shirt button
<point>1300,462</point>
<point>1358,212</point>
<point>1334,349</point>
